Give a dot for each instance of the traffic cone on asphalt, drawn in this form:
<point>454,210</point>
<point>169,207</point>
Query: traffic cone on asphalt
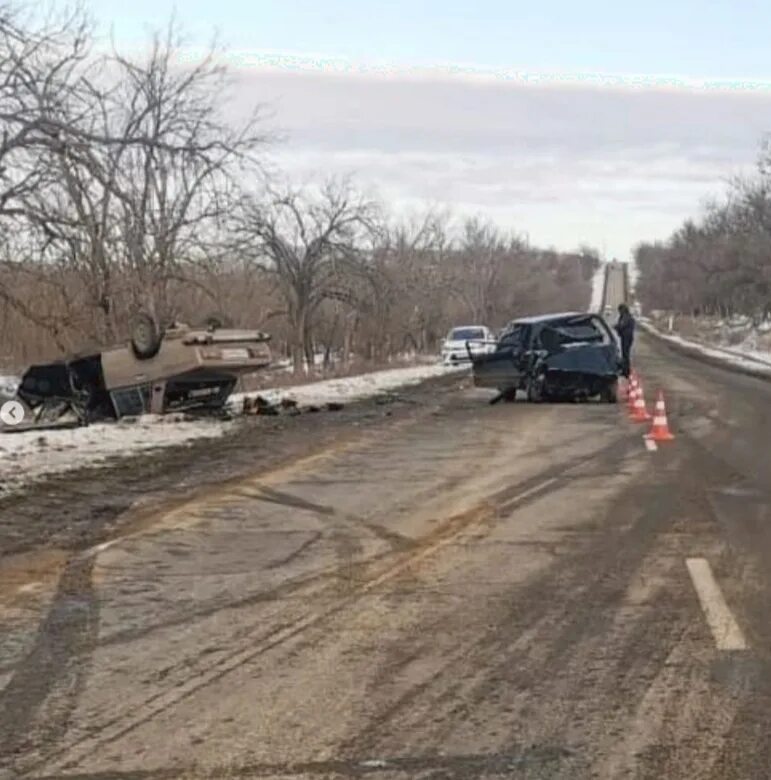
<point>660,428</point>
<point>639,412</point>
<point>632,392</point>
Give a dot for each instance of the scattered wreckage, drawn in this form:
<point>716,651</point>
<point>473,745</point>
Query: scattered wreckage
<point>571,356</point>
<point>179,369</point>
<point>258,405</point>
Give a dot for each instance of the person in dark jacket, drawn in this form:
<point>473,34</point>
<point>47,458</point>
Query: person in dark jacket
<point>625,330</point>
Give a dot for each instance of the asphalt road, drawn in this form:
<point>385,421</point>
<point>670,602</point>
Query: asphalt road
<point>615,286</point>
<point>456,590</point>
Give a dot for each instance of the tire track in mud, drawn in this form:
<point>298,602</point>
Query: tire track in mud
<point>43,687</point>
<point>744,750</point>
<point>200,676</point>
<point>562,583</point>
<point>345,572</point>
<point>204,675</point>
<point>36,703</point>
<point>520,654</point>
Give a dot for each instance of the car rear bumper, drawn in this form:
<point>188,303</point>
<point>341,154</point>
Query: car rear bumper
<point>578,383</point>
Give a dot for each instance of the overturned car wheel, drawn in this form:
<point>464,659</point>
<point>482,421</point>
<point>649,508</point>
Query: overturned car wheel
<point>145,338</point>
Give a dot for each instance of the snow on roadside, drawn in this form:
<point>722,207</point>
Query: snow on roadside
<point>598,283</point>
<point>27,456</point>
<point>351,388</point>
<point>757,362</point>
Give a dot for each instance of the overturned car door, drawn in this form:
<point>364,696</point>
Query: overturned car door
<point>505,368</point>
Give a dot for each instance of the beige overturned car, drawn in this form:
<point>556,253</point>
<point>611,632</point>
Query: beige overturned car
<point>179,369</point>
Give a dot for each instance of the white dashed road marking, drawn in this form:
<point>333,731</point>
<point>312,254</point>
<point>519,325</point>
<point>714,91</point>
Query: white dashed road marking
<point>650,445</point>
<point>725,629</point>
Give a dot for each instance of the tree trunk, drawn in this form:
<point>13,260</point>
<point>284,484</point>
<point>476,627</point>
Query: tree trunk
<point>348,340</point>
<point>298,344</point>
<point>308,350</point>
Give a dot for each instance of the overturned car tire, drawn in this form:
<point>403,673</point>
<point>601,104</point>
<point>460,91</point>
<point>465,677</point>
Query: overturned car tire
<point>145,338</point>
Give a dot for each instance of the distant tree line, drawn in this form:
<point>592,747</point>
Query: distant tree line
<point>720,263</point>
<point>123,188</point>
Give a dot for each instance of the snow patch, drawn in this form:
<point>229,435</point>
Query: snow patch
<point>352,388</point>
<point>28,456</point>
<point>758,362</point>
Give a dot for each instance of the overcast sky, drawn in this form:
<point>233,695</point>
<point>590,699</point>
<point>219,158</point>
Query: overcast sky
<point>598,122</point>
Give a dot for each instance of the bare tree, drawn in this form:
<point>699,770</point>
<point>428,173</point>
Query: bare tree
<point>717,264</point>
<point>121,186</point>
<point>40,68</point>
<point>308,242</point>
<point>485,250</point>
<point>143,179</point>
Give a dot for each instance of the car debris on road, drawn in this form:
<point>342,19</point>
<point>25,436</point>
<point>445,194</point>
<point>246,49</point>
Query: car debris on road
<point>571,356</point>
<point>259,405</point>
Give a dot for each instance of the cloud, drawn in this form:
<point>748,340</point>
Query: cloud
<point>566,162</point>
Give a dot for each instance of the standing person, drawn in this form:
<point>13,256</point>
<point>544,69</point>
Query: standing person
<point>625,330</point>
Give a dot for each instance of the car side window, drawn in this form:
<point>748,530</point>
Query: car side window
<point>604,329</point>
<point>515,338</point>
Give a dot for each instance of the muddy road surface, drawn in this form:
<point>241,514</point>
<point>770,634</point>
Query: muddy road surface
<point>428,588</point>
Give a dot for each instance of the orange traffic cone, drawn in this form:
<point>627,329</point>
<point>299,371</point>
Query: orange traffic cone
<point>660,428</point>
<point>631,393</point>
<point>639,412</point>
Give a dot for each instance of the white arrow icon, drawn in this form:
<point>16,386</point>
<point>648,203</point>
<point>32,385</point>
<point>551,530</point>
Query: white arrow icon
<point>12,413</point>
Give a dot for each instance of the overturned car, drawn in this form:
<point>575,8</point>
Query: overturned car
<point>179,369</point>
<point>570,356</point>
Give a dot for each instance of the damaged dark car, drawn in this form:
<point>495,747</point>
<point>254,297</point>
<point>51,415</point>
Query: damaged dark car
<point>555,357</point>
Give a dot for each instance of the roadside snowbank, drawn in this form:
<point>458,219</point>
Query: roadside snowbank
<point>752,362</point>
<point>25,457</point>
<point>347,389</point>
